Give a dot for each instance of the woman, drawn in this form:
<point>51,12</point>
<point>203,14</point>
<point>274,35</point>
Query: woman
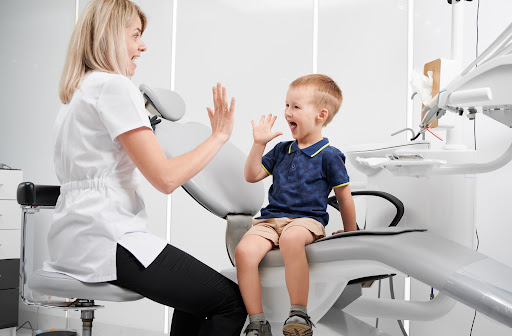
<point>102,133</point>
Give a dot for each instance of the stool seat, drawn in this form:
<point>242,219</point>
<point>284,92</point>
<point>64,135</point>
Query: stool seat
<point>61,285</point>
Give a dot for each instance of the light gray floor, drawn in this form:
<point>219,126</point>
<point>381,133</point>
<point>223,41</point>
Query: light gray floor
<point>24,332</point>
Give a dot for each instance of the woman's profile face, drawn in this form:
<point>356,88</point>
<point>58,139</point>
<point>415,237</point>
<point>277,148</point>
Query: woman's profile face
<point>134,44</point>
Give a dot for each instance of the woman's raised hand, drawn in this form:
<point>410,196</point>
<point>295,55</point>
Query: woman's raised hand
<point>222,118</point>
<point>262,132</point>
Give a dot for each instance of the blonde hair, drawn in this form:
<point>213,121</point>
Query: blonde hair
<point>328,94</point>
<point>98,42</point>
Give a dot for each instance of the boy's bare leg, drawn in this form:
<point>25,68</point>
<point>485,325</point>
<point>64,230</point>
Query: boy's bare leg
<point>291,243</point>
<point>249,252</point>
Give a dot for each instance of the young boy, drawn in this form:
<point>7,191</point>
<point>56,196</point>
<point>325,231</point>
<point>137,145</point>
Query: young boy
<point>304,172</point>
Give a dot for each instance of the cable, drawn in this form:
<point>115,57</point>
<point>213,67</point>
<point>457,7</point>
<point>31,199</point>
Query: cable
<point>24,324</point>
<point>472,324</point>
<point>392,292</point>
<point>474,316</point>
<point>378,296</point>
<point>474,131</point>
<point>474,136</point>
<point>477,28</point>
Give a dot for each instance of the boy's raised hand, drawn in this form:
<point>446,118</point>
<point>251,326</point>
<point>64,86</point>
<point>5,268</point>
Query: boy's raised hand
<point>262,132</point>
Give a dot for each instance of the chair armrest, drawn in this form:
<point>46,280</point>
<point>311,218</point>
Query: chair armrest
<point>37,195</point>
<point>332,201</point>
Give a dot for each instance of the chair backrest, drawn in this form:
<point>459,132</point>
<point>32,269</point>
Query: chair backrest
<point>220,187</point>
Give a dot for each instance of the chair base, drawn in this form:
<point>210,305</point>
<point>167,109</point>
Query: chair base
<point>86,308</point>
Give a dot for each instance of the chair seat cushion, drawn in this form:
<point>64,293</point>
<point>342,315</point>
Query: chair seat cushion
<point>61,285</point>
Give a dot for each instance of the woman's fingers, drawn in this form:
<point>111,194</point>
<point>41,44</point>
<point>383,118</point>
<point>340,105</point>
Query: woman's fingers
<point>232,105</point>
<point>210,113</point>
<point>215,102</point>
<point>221,116</point>
<point>224,100</point>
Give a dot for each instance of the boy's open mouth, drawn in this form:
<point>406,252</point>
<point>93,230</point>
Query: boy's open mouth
<point>293,125</point>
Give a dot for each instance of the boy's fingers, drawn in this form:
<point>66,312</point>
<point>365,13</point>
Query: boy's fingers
<point>276,134</point>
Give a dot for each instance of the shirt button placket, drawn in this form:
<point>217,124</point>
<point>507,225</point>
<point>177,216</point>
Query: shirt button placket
<point>292,176</point>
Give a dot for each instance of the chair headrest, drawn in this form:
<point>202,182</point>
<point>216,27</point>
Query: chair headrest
<point>168,103</point>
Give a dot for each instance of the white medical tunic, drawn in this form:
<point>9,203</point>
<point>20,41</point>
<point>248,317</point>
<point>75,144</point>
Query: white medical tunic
<point>99,205</point>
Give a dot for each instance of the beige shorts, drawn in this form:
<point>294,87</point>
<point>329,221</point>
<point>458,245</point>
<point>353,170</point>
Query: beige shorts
<point>272,228</point>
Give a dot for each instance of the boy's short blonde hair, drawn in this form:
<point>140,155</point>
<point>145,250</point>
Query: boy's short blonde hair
<point>98,42</point>
<point>328,94</point>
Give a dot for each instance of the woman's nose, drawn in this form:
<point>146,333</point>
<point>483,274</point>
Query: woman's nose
<point>142,46</point>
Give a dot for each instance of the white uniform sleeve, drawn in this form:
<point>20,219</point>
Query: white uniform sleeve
<point>121,107</point>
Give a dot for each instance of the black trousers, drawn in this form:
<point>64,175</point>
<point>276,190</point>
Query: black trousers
<point>205,302</point>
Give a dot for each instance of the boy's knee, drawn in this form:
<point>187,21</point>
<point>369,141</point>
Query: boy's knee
<point>245,253</point>
<point>296,236</point>
<point>251,249</point>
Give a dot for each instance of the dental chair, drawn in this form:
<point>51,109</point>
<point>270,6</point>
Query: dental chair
<point>340,265</point>
<point>32,199</point>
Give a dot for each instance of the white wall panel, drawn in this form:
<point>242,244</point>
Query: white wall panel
<point>363,46</point>
<point>255,48</point>
<point>37,38</point>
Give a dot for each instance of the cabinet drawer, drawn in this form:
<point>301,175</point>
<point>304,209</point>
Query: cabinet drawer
<point>9,273</point>
<point>10,215</point>
<point>9,308</point>
<point>10,241</point>
<point>9,180</point>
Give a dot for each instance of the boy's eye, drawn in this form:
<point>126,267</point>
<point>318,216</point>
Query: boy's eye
<point>296,107</point>
<point>287,105</point>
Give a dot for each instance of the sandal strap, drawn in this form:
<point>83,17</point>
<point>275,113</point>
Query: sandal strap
<point>253,326</point>
<point>302,315</point>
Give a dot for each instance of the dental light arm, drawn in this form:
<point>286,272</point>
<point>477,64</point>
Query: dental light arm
<point>484,83</point>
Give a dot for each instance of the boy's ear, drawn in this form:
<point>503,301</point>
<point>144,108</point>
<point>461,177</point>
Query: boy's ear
<point>322,115</point>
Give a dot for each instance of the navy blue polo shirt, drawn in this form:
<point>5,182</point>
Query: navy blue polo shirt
<point>303,179</point>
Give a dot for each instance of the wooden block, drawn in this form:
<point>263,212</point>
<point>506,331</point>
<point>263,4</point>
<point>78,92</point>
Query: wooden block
<point>435,67</point>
